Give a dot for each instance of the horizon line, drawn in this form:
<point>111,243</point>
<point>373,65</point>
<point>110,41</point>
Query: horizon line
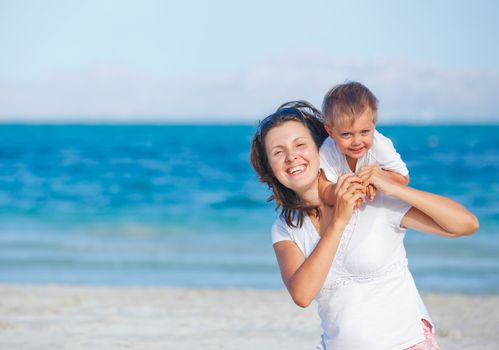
<point>254,123</point>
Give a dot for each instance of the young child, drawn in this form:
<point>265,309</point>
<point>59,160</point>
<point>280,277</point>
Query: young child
<point>349,112</point>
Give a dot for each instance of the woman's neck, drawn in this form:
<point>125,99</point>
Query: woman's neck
<point>311,195</point>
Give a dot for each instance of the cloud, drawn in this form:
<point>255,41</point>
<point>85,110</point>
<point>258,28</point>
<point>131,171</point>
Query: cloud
<point>407,92</point>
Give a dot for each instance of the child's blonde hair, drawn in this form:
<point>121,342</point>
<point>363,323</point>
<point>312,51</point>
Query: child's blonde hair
<point>347,102</point>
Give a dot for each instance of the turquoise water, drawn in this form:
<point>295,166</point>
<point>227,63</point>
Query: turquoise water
<point>180,206</point>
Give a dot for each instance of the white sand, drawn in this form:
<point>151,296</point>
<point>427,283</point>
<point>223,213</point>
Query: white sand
<point>77,317</point>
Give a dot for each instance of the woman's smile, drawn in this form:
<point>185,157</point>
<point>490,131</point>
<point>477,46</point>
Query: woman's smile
<point>293,155</point>
<point>296,170</point>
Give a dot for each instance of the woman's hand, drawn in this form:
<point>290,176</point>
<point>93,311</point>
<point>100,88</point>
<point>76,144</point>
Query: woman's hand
<point>349,189</point>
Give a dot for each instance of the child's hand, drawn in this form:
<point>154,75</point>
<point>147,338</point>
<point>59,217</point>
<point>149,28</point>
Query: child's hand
<point>359,202</point>
<point>371,191</point>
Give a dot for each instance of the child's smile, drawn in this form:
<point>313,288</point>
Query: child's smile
<point>354,140</point>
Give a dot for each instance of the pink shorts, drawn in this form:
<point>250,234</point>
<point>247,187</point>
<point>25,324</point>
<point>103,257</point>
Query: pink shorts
<point>430,342</point>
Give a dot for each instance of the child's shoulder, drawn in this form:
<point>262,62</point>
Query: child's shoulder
<point>381,142</point>
<point>329,150</point>
<point>328,146</point>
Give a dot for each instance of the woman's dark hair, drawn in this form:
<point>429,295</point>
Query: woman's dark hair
<point>293,207</point>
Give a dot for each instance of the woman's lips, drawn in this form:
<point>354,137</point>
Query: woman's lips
<point>298,169</point>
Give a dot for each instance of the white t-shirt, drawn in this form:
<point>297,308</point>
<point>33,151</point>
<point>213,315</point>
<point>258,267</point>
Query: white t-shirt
<point>382,153</point>
<point>369,299</point>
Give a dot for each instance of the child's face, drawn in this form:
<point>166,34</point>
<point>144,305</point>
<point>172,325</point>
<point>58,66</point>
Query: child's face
<point>354,140</point>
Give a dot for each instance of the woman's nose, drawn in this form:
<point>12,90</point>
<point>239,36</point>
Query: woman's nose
<point>290,157</point>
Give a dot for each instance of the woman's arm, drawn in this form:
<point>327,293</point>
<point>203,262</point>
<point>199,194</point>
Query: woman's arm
<point>304,277</point>
<point>430,213</point>
<point>435,214</point>
<point>399,178</point>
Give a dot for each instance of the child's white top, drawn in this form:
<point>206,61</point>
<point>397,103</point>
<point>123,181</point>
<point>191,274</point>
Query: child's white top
<point>382,153</point>
<point>369,299</point>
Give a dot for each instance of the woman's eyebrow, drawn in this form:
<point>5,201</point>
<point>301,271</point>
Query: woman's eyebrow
<point>276,146</point>
<point>294,140</point>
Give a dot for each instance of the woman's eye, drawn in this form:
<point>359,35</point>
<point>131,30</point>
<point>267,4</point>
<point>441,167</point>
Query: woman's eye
<point>278,153</point>
<point>301,145</point>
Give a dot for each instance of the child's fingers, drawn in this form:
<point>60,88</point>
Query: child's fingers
<point>371,191</point>
<point>358,203</point>
<point>357,199</point>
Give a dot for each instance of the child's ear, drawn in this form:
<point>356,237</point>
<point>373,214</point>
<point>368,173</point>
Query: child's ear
<point>328,130</point>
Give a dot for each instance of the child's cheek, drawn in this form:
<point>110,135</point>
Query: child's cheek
<point>343,146</point>
<point>370,141</point>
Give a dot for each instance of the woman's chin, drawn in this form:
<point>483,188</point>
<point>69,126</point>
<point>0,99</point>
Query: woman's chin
<point>304,185</point>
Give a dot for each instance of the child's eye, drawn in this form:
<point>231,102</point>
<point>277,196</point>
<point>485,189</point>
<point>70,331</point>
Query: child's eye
<point>365,132</point>
<point>345,134</point>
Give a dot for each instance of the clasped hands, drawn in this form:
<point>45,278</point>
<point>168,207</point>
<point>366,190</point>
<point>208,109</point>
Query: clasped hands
<point>366,183</point>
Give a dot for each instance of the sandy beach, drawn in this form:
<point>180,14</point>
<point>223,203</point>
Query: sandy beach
<point>81,317</point>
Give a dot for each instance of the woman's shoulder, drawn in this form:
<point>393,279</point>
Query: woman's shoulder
<point>281,225</point>
<point>282,231</point>
<point>303,236</point>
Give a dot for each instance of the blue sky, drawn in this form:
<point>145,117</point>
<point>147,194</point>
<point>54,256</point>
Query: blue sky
<point>427,61</point>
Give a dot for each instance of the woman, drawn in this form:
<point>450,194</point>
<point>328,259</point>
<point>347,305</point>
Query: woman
<point>352,262</point>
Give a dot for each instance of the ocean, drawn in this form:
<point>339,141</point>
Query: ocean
<point>179,205</point>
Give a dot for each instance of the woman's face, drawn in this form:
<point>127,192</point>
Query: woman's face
<point>293,156</point>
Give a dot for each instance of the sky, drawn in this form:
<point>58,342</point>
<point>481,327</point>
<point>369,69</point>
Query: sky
<point>235,62</point>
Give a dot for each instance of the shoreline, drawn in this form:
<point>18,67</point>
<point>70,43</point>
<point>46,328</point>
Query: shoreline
<point>109,317</point>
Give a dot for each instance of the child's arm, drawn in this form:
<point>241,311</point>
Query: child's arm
<point>386,156</point>
<point>389,161</point>
<point>326,190</point>
<point>329,157</point>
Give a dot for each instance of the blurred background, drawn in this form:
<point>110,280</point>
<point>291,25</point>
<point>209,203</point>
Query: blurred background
<point>125,130</point>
